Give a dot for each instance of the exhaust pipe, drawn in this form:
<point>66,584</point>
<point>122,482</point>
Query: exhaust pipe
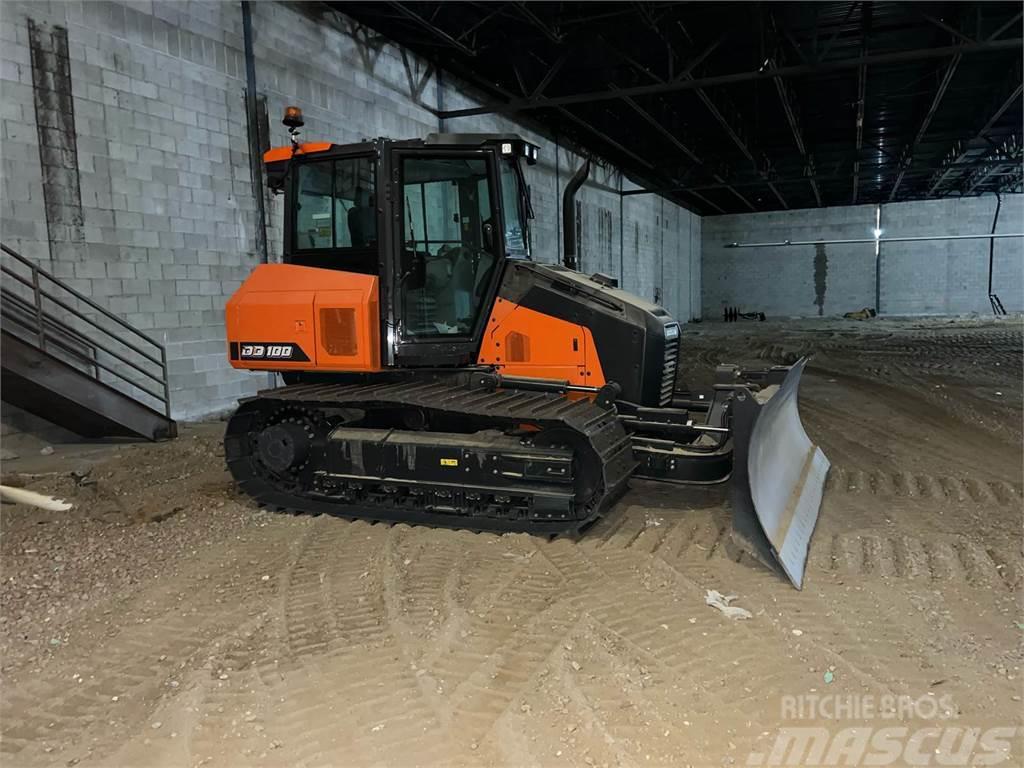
<point>570,259</point>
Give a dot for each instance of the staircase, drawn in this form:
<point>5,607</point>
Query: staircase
<point>70,361</point>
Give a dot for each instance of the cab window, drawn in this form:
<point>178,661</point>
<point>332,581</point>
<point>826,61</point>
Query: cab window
<point>448,244</point>
<point>515,207</point>
<point>335,221</point>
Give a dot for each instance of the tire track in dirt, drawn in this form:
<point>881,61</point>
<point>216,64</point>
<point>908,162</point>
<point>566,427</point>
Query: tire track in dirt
<point>900,484</point>
<point>353,698</point>
<point>891,655</point>
<point>663,618</point>
<point>696,552</point>
<point>307,610</point>
<point>664,615</point>
<point>220,721</point>
<point>506,636</point>
<point>421,593</point>
<point>641,656</point>
<point>60,713</point>
<point>641,713</point>
<point>696,544</point>
<point>935,559</point>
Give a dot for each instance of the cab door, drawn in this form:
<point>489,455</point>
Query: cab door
<point>446,255</point>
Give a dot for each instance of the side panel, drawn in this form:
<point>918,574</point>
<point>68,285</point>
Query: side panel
<point>523,342</point>
<point>633,338</point>
<point>290,318</point>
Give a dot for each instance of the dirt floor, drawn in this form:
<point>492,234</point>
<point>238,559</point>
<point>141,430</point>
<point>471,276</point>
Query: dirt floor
<point>167,621</point>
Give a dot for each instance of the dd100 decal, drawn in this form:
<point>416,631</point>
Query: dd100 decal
<point>255,350</point>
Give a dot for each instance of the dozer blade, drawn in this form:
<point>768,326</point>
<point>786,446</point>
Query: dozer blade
<point>778,476</point>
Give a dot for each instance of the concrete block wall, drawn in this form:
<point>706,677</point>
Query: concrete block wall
<point>163,228</point>
<point>799,280</point>
<point>152,212</point>
<point>929,277</point>
<point>941,277</point>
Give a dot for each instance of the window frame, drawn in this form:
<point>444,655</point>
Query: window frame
<point>454,349</point>
<point>523,210</point>
<point>291,250</point>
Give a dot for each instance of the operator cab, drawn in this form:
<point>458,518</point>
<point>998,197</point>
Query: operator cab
<point>434,219</point>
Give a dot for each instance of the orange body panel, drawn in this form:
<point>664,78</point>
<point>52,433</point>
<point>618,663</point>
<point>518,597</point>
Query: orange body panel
<point>285,153</point>
<point>332,316</point>
<point>523,342</point>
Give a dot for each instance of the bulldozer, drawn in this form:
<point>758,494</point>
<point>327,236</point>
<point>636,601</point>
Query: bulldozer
<point>434,374</point>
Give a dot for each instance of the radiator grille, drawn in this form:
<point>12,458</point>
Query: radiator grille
<point>668,374</point>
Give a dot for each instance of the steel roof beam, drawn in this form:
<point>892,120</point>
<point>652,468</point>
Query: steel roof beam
<point>740,183</point>
<point>433,29</point>
<point>682,147</point>
<point>965,146</point>
<point>707,101</point>
<point>588,126</point>
<point>738,142</point>
<point>630,153</point>
<point>862,79</point>
<point>534,19</point>
<point>663,130</point>
<point>498,8</point>
<point>1006,26</point>
<point>696,60</point>
<point>941,24</point>
<point>999,112</point>
<point>980,177</point>
<point>672,86</point>
<point>940,92</point>
<point>707,202</point>
<point>794,126</point>
<point>1007,154</point>
<point>831,41</point>
<point>937,100</point>
<point>550,75</point>
<point>690,154</point>
<point>862,93</point>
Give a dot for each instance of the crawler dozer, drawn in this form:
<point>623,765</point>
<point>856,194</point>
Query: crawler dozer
<point>434,374</point>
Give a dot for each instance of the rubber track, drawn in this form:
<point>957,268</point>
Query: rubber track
<point>600,427</point>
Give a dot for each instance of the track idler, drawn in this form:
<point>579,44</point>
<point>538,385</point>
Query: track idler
<point>284,446</point>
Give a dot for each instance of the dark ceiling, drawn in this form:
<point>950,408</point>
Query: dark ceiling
<point>733,107</point>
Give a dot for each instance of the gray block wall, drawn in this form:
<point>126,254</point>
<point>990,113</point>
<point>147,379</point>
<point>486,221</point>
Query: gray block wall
<point>166,215</point>
<point>951,276</point>
<point>163,227</point>
<point>932,277</point>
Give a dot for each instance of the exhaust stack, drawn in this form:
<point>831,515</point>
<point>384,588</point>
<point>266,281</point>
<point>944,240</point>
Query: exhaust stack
<point>569,258</point>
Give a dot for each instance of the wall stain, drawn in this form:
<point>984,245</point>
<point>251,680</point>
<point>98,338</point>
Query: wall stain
<point>55,126</point>
<point>820,276</point>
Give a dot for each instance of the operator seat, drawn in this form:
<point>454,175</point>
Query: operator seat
<point>362,220</point>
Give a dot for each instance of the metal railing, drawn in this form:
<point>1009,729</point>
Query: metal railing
<point>59,320</point>
<point>19,318</point>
